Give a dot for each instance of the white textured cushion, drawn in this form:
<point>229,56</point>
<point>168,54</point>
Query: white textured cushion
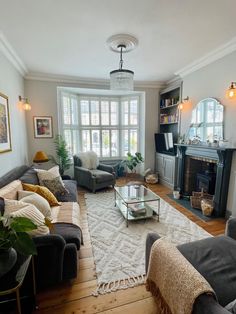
<point>37,200</point>
<point>10,190</point>
<point>15,208</point>
<point>50,174</point>
<point>89,160</point>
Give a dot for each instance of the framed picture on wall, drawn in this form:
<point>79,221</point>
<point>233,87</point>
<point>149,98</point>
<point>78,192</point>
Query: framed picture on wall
<point>5,132</point>
<point>43,127</point>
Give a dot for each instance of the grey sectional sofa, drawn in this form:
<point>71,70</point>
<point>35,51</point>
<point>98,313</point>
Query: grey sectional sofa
<point>56,258</point>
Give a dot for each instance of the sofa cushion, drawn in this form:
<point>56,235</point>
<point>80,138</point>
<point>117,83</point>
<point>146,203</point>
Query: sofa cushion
<point>10,190</point>
<point>43,191</point>
<point>70,232</point>
<point>55,186</point>
<point>30,177</point>
<point>50,174</point>
<point>12,175</point>
<point>101,176</point>
<point>37,200</point>
<point>215,259</point>
<point>15,208</point>
<point>72,195</point>
<point>2,206</point>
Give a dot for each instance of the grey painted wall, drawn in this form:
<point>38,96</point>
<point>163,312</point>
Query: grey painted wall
<point>213,81</point>
<point>12,85</point>
<point>43,98</point>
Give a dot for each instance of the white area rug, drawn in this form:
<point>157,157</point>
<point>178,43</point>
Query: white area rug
<point>119,252</point>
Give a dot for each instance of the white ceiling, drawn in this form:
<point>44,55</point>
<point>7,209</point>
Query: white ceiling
<point>69,37</point>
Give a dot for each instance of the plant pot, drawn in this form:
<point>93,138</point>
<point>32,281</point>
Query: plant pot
<point>7,260</point>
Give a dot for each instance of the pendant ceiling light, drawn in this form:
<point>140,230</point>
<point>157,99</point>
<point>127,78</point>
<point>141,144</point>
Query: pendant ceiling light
<point>122,79</point>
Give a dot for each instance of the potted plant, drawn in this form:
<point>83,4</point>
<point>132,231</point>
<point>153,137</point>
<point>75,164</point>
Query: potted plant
<point>132,161</point>
<point>14,238</point>
<point>63,159</point>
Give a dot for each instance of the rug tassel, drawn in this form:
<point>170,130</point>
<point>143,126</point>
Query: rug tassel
<point>122,284</point>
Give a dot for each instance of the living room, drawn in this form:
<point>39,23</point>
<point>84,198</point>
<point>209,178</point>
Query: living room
<point>55,60</point>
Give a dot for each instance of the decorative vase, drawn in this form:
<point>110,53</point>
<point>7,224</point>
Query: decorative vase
<point>7,260</point>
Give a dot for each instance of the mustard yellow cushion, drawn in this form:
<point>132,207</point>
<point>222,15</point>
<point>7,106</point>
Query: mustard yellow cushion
<point>43,191</point>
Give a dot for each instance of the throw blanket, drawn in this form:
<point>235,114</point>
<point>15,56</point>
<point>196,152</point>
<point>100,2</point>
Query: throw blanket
<point>68,212</point>
<point>173,281</point>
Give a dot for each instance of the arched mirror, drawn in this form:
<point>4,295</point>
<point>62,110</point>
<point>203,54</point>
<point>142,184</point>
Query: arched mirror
<point>207,122</point>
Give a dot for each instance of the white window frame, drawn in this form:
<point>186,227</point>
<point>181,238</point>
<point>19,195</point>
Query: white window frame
<point>119,127</point>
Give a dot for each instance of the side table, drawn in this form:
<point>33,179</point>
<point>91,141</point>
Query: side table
<point>11,282</point>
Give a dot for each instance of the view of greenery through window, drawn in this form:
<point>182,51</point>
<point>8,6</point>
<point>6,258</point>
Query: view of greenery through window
<point>107,125</point>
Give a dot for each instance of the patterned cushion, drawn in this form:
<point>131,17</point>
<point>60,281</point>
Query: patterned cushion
<point>15,208</point>
<point>10,191</point>
<point>50,174</point>
<point>43,191</point>
<point>55,186</point>
<point>37,200</point>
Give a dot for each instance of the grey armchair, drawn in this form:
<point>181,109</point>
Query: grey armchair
<point>93,179</point>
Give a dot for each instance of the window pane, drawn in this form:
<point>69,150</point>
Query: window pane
<point>105,143</point>
<point>66,110</point>
<point>209,133</point>
<point>133,141</point>
<point>125,112</point>
<point>74,111</point>
<point>94,112</point>
<point>85,140</point>
<point>218,113</point>
<point>75,142</point>
<point>96,141</point>
<point>125,142</point>
<point>210,112</point>
<point>105,112</point>
<point>68,139</point>
<point>114,143</point>
<point>114,113</point>
<point>84,108</point>
<point>134,112</point>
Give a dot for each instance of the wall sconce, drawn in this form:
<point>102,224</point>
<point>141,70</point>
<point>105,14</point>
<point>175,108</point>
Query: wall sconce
<point>183,101</point>
<point>231,91</point>
<point>24,103</point>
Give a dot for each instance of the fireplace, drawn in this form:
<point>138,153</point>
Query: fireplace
<point>205,167</point>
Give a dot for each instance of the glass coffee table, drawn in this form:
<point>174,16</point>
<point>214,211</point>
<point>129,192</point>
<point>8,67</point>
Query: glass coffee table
<point>134,202</point>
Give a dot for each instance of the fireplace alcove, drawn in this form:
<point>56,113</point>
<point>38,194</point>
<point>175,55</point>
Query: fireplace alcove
<point>219,157</point>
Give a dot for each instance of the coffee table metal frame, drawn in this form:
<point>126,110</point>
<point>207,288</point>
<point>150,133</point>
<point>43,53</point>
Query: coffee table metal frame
<point>123,202</point>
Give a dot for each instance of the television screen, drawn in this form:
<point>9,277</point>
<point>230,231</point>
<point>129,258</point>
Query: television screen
<point>164,143</point>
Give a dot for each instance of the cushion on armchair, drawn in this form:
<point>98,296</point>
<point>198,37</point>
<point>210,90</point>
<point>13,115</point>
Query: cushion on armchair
<point>89,160</point>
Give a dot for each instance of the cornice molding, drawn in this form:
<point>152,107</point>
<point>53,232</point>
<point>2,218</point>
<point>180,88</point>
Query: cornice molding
<point>64,79</point>
<point>11,55</point>
<point>209,58</point>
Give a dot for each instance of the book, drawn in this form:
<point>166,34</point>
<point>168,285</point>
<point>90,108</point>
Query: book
<point>137,207</point>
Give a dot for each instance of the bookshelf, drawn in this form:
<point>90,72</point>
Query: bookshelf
<point>170,98</point>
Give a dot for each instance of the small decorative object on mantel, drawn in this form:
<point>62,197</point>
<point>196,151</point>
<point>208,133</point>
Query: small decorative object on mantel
<point>5,133</point>
<point>43,127</point>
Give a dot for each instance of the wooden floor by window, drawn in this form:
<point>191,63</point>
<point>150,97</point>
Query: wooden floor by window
<point>75,297</point>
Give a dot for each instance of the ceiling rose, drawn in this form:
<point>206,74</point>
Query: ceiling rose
<point>130,42</point>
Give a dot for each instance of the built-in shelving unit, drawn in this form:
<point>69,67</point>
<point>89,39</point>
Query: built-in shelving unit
<point>170,98</point>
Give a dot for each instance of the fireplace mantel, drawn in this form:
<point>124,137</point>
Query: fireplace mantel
<point>222,157</point>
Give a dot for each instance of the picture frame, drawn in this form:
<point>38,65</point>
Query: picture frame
<point>5,130</point>
<point>43,127</point>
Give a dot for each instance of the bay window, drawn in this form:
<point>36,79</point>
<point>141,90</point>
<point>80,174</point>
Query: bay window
<point>107,125</point>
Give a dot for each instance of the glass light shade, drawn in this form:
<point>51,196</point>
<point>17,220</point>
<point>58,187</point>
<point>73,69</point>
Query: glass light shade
<point>181,106</point>
<point>26,106</point>
<point>40,156</point>
<point>121,80</point>
<point>231,92</point>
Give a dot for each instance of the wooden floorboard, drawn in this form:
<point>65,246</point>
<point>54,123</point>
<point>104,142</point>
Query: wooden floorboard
<point>76,297</point>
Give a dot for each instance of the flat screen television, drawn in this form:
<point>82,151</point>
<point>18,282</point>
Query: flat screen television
<point>164,143</point>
